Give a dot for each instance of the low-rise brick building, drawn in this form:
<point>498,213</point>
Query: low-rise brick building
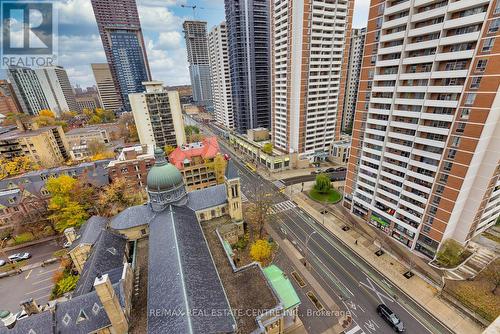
<point>133,164</point>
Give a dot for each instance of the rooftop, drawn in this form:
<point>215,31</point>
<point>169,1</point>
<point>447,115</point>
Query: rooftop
<point>282,285</point>
<point>206,149</point>
<point>86,129</point>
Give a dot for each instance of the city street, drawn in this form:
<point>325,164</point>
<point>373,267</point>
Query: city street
<point>35,283</point>
<point>39,252</point>
<point>348,278</point>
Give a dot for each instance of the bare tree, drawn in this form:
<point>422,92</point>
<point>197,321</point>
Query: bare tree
<point>258,209</point>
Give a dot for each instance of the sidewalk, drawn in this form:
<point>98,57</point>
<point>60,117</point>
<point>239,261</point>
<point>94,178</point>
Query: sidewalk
<point>418,289</point>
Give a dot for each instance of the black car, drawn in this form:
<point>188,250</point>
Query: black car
<point>330,170</point>
<point>391,318</point>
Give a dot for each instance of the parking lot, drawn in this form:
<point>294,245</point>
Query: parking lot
<point>35,283</point>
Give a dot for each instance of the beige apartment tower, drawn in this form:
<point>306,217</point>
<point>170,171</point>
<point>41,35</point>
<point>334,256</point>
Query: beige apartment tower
<point>310,46</point>
<point>424,161</point>
<point>106,87</point>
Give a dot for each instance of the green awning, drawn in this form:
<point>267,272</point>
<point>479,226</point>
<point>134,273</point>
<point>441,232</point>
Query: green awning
<point>282,285</point>
<point>380,221</point>
<point>228,249</point>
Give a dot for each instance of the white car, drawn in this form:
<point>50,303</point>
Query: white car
<point>19,256</point>
<point>2,263</point>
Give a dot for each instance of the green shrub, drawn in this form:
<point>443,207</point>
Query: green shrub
<point>23,238</point>
<point>242,242</point>
<point>66,284</point>
<point>450,254</point>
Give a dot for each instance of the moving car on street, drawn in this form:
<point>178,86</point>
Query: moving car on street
<point>391,318</point>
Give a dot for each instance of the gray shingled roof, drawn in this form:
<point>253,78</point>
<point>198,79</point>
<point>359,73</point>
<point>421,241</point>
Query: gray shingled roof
<point>38,324</point>
<point>207,198</point>
<point>131,217</point>
<point>183,277</point>
<point>90,231</point>
<point>10,194</point>
<point>231,170</point>
<point>107,254</point>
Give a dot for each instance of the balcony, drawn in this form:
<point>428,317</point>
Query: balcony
<point>465,4</point>
<point>462,38</point>
<point>445,89</point>
<point>413,102</point>
<point>466,54</point>
<point>425,30</point>
<point>432,129</point>
<point>428,14</point>
<point>389,62</point>
<point>449,74</point>
<point>419,59</point>
<point>390,49</point>
<point>422,45</point>
<point>393,36</point>
<point>412,89</point>
<point>431,142</point>
<point>404,125</point>
<point>465,21</point>
<point>441,103</point>
<point>415,76</point>
<point>404,113</point>
<point>394,23</point>
<point>397,8</point>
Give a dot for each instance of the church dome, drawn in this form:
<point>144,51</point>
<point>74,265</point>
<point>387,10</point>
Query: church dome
<point>165,184</point>
<point>163,176</point>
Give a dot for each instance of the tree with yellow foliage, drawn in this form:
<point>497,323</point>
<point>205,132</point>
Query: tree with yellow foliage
<point>64,204</point>
<point>260,250</point>
<point>46,113</point>
<point>16,166</point>
<point>168,149</point>
<point>102,156</point>
<point>118,196</point>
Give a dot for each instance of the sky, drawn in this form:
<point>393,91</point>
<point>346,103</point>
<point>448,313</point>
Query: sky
<point>161,20</point>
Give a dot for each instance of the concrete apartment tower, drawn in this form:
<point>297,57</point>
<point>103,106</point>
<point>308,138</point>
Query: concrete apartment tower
<point>8,99</point>
<point>42,88</point>
<point>121,35</point>
<point>195,34</point>
<point>357,46</point>
<point>158,116</point>
<point>109,99</point>
<point>424,162</point>
<point>248,33</point>
<point>220,76</point>
<point>57,89</point>
<point>310,52</point>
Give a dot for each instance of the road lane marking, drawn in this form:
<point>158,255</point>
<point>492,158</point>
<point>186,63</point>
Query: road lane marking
<point>28,276</point>
<point>44,288</point>
<point>379,294</point>
<point>42,280</point>
<point>355,330</point>
<point>43,272</point>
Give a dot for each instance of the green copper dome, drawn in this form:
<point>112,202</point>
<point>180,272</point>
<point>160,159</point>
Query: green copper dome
<point>163,176</point>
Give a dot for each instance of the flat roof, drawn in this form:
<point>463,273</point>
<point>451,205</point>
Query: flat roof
<point>282,285</point>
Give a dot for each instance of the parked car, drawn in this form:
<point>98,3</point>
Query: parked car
<point>330,170</point>
<point>2,263</point>
<point>19,256</point>
<point>391,318</point>
<point>317,171</point>
<point>340,169</point>
<point>67,244</point>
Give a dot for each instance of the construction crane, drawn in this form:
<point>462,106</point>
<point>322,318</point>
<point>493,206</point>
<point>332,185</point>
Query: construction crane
<point>193,7</point>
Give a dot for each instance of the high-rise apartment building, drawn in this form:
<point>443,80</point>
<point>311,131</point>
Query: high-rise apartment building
<point>220,76</point>
<point>353,72</point>
<point>28,89</point>
<point>248,34</point>
<point>310,51</point>
<point>195,34</point>
<point>57,89</point>
<point>109,99</point>
<point>424,161</point>
<point>121,36</point>
<point>158,116</point>
<point>42,88</point>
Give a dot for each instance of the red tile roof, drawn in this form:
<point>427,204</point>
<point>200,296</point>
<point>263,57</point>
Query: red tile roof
<point>207,149</point>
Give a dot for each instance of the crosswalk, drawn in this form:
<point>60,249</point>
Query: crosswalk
<point>283,206</point>
<point>355,330</point>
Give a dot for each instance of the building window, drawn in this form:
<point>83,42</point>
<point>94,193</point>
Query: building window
<point>470,98</point>
<point>460,127</point>
<point>439,189</point>
<point>481,65</point>
<point>475,82</point>
<point>447,166</point>
<point>464,114</point>
<point>455,141</point>
<point>494,26</point>
<point>452,153</point>
<point>488,44</point>
<point>427,228</point>
<point>202,216</point>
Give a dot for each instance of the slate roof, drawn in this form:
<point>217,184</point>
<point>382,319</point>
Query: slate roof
<point>131,217</point>
<point>231,171</point>
<point>10,194</point>
<point>182,277</point>
<point>107,254</point>
<point>66,319</point>
<point>90,230</point>
<point>206,198</point>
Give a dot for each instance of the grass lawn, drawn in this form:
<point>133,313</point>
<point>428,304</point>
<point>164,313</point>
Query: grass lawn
<point>10,266</point>
<point>477,295</point>
<point>333,196</point>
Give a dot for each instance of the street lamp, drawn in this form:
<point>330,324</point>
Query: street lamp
<point>307,250</point>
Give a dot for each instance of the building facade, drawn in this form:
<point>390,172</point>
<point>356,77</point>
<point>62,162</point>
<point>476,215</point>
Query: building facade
<point>46,146</point>
<point>197,163</point>
<point>424,161</point>
<point>158,116</point>
<point>57,89</point>
<point>88,100</point>
<point>249,44</point>
<point>121,35</point>
<point>195,34</point>
<point>28,90</point>
<point>8,100</point>
<point>220,76</point>
<point>133,164</point>
<point>109,98</point>
<point>309,73</point>
<point>354,70</point>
